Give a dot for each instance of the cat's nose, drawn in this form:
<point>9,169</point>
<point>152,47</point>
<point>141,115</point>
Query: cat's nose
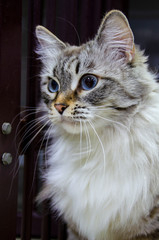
<point>60,107</point>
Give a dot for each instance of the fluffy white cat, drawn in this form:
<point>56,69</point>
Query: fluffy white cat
<point>102,104</point>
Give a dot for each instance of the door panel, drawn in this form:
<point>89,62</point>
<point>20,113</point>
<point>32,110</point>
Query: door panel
<point>10,74</point>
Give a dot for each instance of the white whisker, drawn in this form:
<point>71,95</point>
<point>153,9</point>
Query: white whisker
<point>100,141</point>
<point>119,124</point>
<point>29,131</point>
<point>28,144</point>
<point>38,154</point>
<point>81,139</point>
<point>46,146</point>
<point>88,142</point>
<point>112,121</point>
<point>30,124</point>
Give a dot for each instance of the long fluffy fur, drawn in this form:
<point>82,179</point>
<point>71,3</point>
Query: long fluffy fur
<point>115,197</point>
<point>104,180</point>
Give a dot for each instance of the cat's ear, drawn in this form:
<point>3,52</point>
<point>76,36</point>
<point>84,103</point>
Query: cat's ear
<point>115,34</point>
<point>49,44</point>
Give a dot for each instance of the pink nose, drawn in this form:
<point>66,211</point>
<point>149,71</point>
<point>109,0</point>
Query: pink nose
<point>60,107</point>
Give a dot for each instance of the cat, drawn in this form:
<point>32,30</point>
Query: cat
<point>102,107</point>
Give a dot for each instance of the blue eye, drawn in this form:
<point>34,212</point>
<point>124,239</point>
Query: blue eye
<point>88,82</point>
<point>53,86</point>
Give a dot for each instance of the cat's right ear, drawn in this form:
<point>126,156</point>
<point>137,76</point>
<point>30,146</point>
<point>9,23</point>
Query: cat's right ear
<point>49,44</point>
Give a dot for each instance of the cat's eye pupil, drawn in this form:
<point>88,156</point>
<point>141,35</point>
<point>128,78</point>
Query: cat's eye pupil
<point>88,82</point>
<point>53,86</point>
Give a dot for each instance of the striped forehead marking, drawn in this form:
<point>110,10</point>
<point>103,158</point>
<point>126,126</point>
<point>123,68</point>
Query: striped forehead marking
<point>69,66</point>
<point>75,78</point>
<point>68,63</point>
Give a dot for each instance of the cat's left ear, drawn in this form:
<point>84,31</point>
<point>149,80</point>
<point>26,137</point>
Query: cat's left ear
<point>115,34</point>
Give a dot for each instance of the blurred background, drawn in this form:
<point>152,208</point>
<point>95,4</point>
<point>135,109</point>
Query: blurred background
<point>73,21</point>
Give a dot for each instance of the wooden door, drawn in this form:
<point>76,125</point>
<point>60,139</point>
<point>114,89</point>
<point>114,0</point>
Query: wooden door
<point>10,76</point>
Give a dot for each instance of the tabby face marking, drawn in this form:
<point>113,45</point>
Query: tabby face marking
<point>107,59</point>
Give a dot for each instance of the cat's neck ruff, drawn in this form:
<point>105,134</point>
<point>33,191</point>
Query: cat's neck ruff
<point>110,172</point>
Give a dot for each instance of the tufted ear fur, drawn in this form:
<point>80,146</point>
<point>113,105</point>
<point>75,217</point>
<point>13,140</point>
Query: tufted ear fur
<point>50,46</point>
<point>114,34</point>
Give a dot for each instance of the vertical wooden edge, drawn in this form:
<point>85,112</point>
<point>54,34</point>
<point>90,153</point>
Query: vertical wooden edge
<point>46,222</point>
<point>34,18</point>
<point>62,230</point>
<point>10,79</point>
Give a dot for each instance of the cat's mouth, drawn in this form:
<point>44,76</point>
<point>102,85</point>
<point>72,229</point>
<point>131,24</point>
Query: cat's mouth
<point>70,125</point>
<point>68,120</point>
<point>72,120</point>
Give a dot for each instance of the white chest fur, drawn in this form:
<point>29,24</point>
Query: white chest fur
<point>108,187</point>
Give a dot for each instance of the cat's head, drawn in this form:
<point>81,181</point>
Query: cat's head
<point>94,83</point>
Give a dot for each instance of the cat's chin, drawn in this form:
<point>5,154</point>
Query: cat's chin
<point>71,127</point>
